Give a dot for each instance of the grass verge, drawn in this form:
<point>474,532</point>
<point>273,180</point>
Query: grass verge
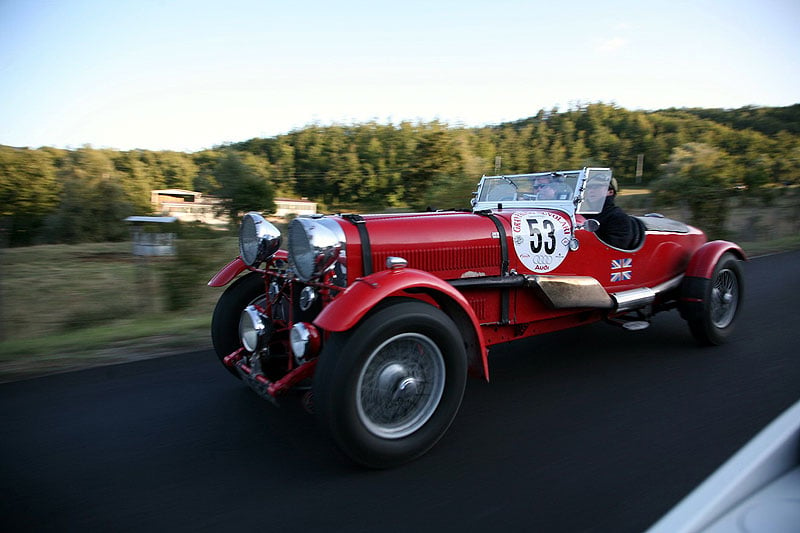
<point>117,342</point>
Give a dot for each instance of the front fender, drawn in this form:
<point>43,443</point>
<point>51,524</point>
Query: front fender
<point>237,266</point>
<point>347,309</point>
<point>227,273</point>
<point>706,257</point>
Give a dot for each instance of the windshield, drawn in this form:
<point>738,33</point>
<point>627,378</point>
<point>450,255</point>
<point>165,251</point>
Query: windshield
<point>544,187</point>
<point>595,190</point>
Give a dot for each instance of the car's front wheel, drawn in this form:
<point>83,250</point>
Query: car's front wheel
<point>247,290</point>
<point>388,390</point>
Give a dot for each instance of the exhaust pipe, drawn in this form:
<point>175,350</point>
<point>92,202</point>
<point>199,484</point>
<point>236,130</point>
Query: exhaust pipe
<point>633,299</point>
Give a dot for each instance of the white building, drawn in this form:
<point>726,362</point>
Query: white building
<point>188,206</point>
<point>289,206</point>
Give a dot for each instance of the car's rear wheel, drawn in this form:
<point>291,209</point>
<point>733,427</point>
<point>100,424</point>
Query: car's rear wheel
<point>247,290</point>
<point>714,320</point>
<point>388,390</point>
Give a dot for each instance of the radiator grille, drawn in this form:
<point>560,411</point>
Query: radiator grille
<point>444,258</point>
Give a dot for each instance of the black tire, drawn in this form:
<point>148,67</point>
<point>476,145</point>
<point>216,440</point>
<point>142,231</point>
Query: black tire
<point>388,390</point>
<point>246,290</point>
<point>714,319</point>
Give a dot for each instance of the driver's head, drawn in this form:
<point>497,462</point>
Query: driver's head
<point>547,191</point>
<point>600,184</point>
<point>613,185</point>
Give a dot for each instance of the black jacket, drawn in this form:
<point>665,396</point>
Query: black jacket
<point>616,227</point>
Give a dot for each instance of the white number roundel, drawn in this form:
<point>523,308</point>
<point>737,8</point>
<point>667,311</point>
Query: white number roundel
<point>541,239</point>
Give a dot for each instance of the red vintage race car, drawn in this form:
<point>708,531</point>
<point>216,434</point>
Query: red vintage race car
<point>383,316</point>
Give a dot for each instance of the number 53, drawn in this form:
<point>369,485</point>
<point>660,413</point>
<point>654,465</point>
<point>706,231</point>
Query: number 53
<point>544,237</point>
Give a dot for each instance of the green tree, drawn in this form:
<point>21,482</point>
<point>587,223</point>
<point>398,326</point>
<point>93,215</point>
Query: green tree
<point>538,155</point>
<point>135,180</point>
<point>436,158</point>
<point>700,177</point>
<point>177,168</point>
<point>786,161</point>
<point>28,192</point>
<point>454,190</point>
<point>242,188</point>
<point>93,203</point>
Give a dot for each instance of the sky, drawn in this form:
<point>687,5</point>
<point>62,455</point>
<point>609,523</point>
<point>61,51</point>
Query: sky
<point>188,75</point>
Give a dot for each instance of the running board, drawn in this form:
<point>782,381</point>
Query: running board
<point>569,292</point>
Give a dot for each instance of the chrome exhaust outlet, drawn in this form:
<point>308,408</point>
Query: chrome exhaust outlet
<point>633,299</point>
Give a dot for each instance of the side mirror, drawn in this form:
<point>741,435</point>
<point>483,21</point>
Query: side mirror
<point>591,225</point>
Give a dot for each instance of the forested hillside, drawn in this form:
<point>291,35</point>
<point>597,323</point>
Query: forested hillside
<point>56,195</point>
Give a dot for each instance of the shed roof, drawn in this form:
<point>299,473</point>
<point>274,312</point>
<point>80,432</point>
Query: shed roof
<point>162,220</point>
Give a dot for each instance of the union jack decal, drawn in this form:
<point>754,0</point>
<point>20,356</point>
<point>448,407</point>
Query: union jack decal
<point>620,276</point>
<point>618,265</point>
<point>621,263</point>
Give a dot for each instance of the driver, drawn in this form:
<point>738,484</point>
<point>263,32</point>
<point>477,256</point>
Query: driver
<point>550,188</point>
<point>616,227</point>
<point>544,188</point>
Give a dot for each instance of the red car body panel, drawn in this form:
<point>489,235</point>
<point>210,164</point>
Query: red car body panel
<point>703,262</point>
<point>227,273</point>
<point>661,257</point>
<point>447,245</point>
<point>348,308</point>
<point>472,249</point>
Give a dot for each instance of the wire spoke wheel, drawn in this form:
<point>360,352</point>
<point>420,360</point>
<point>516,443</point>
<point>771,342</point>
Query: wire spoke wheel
<point>388,389</point>
<point>716,303</point>
<point>400,386</point>
<point>724,298</point>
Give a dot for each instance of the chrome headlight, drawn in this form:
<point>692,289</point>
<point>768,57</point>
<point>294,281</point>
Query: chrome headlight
<point>305,341</point>
<point>258,239</point>
<point>253,329</point>
<point>314,246</point>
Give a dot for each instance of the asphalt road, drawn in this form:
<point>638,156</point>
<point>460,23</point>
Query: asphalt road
<point>595,429</point>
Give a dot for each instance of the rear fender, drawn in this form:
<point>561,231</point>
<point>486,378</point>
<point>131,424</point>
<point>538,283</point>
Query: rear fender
<point>705,259</point>
<point>695,282</point>
<point>347,309</point>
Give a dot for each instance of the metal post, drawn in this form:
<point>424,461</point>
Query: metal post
<point>639,165</point>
